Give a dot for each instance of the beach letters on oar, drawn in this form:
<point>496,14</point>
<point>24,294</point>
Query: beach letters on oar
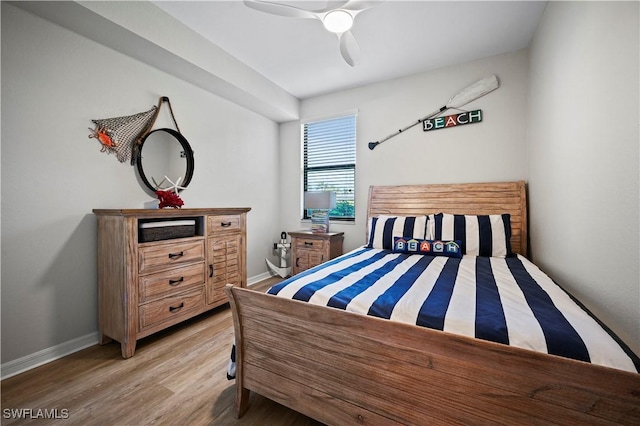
<point>467,117</point>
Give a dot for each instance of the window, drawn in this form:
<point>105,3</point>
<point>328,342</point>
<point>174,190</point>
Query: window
<point>329,162</point>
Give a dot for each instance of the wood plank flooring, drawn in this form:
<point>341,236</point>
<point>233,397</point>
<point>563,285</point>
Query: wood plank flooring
<point>176,377</point>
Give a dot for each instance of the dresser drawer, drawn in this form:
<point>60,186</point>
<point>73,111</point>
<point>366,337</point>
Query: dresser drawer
<point>216,224</point>
<point>167,255</point>
<point>171,308</point>
<point>167,282</point>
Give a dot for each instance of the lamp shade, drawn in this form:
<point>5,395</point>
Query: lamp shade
<point>320,200</point>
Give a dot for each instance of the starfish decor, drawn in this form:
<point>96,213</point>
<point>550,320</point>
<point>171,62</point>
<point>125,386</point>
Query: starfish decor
<point>175,186</point>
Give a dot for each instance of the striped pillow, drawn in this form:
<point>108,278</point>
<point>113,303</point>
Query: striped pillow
<point>481,235</point>
<point>382,229</point>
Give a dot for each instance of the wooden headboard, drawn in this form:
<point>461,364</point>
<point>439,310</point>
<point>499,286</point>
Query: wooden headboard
<point>465,198</point>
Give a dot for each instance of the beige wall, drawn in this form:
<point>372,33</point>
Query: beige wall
<point>583,153</point>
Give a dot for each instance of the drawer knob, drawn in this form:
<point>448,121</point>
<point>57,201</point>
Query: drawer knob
<point>176,282</point>
<point>308,243</point>
<point>176,255</point>
<point>210,271</point>
<point>173,309</point>
<point>225,224</point>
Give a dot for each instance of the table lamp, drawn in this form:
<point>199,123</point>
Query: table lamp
<point>319,202</point>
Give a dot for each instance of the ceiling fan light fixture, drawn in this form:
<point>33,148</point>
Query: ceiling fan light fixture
<point>337,21</point>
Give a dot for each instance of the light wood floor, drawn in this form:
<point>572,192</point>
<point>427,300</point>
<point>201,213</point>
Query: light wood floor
<point>176,377</point>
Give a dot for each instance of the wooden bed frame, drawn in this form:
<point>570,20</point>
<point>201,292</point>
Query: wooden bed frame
<point>342,368</point>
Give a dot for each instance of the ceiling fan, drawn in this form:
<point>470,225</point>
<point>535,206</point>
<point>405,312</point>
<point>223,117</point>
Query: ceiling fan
<point>337,17</point>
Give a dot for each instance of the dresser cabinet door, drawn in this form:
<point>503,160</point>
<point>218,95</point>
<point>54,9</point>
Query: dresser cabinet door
<point>223,266</point>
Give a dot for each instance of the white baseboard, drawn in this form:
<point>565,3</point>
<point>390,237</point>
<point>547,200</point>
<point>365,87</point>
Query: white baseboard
<point>47,355</point>
<point>257,278</point>
<point>20,365</point>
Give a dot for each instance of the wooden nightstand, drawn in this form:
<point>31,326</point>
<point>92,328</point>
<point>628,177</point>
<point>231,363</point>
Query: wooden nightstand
<point>310,249</point>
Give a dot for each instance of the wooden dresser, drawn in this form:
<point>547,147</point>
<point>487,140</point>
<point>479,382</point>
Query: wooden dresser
<point>150,281</point>
<point>310,249</point>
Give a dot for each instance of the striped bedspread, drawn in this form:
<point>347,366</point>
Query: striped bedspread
<point>504,300</point>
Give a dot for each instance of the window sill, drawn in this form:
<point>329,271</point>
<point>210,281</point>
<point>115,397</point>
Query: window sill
<point>331,222</point>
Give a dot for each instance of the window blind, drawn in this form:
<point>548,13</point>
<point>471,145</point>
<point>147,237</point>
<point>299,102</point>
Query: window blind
<point>329,157</point>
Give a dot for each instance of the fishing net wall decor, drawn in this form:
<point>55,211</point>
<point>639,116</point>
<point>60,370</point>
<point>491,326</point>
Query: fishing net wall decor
<point>118,135</point>
<point>122,136</point>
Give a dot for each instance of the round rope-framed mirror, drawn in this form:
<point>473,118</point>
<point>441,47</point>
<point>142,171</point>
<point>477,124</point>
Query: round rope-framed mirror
<point>165,160</point>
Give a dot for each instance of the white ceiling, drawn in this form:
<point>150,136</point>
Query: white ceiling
<point>397,38</point>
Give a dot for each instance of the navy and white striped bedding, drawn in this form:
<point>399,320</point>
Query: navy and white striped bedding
<point>504,300</point>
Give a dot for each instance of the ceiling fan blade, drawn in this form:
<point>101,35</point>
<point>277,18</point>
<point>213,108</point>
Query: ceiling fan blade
<point>331,5</point>
<point>349,48</point>
<point>279,9</point>
<point>360,4</point>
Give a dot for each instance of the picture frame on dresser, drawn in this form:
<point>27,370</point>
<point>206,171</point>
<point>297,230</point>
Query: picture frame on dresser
<point>159,267</point>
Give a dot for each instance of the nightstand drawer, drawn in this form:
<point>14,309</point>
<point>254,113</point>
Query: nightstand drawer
<point>310,244</point>
<point>174,281</point>
<point>167,255</point>
<point>217,224</point>
<point>172,308</point>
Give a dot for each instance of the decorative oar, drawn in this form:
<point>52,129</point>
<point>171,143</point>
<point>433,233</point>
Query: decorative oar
<point>466,95</point>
